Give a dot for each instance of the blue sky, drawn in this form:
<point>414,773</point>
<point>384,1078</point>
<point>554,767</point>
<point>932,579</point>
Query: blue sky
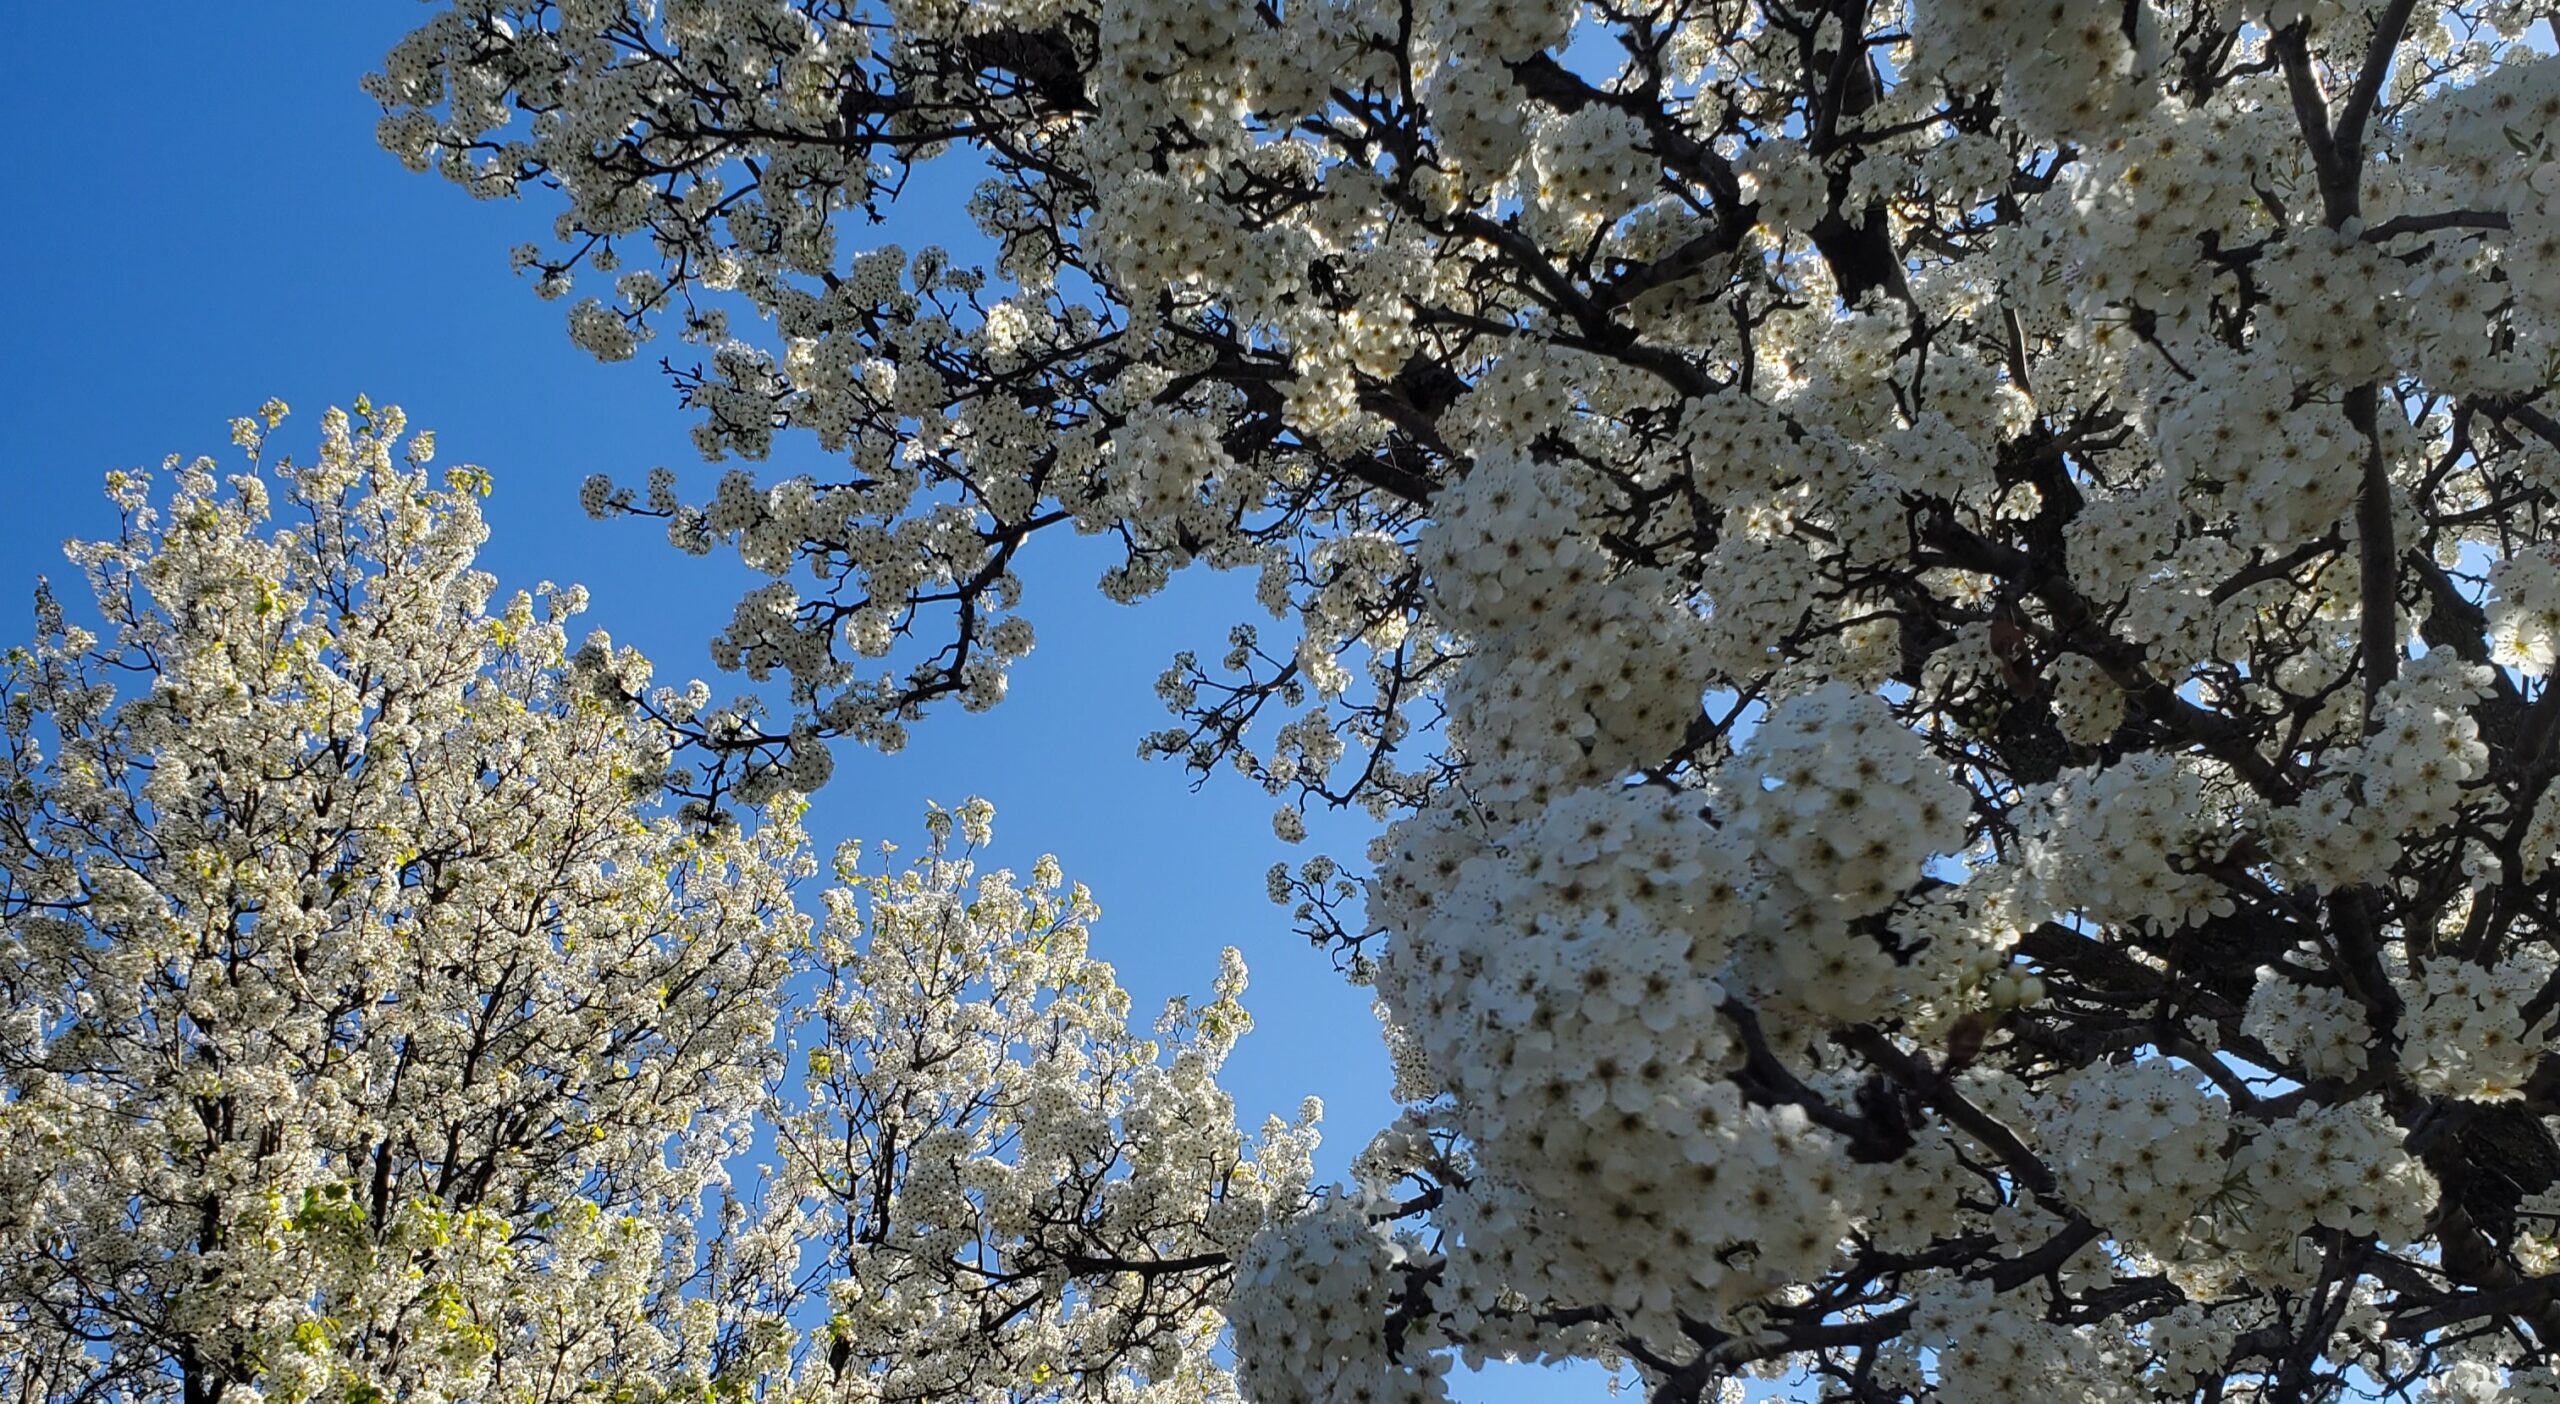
<point>213,225</point>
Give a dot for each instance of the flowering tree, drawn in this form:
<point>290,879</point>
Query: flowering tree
<point>369,1036</point>
<point>998,1191</point>
<point>1948,600</point>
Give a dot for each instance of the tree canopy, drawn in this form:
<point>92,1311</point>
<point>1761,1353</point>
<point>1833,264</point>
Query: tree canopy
<point>372,1034</point>
<point>1947,609</point>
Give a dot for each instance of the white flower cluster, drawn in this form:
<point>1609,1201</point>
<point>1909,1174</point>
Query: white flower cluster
<point>2282,477</point>
<point>2127,843</point>
<point>2524,610</point>
<point>2465,1033</point>
<point>1987,1349</point>
<point>2139,1149</point>
<point>2331,305</point>
<point>1578,673</point>
<point>1563,981</point>
<point>2320,1027</point>
<point>1590,169</point>
<point>2483,1382</point>
<point>1479,116</point>
<point>1310,1310</point>
<point>2401,785</point>
<point>1844,804</point>
<point>2067,71</point>
<point>2337,1167</point>
<point>2191,1346</point>
<point>2088,706</point>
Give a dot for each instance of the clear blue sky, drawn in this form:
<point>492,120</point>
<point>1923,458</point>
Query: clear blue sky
<point>204,222</point>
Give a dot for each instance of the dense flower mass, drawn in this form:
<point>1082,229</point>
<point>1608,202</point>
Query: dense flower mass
<point>1945,604</point>
<point>371,1034</point>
